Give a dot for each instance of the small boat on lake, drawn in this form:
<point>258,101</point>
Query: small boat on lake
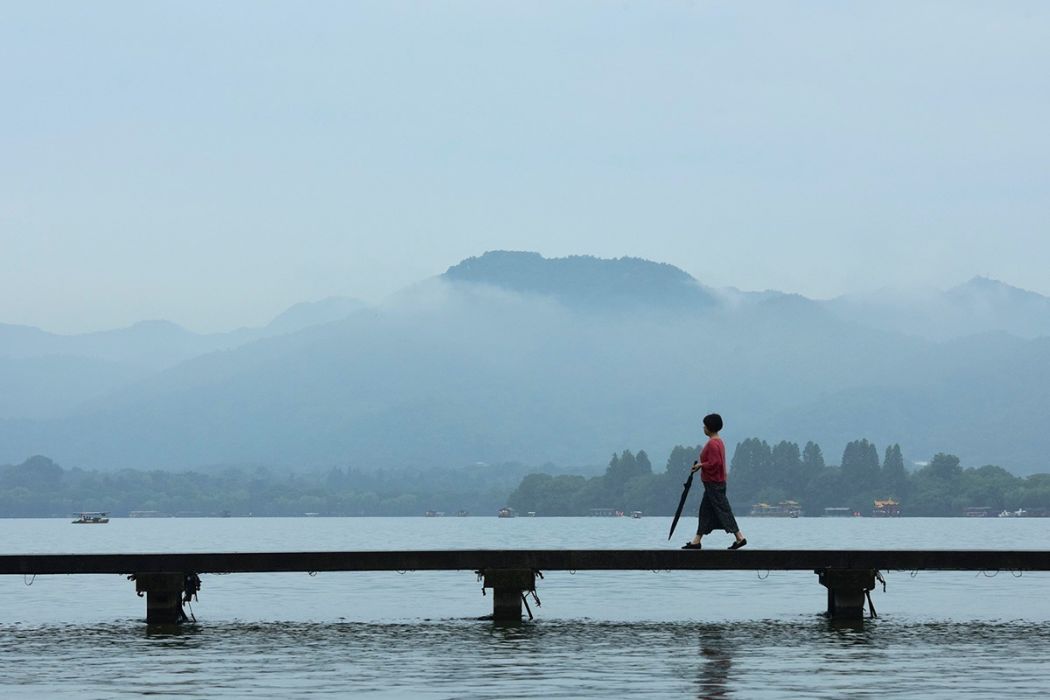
<point>784,509</point>
<point>604,512</point>
<point>506,513</point>
<point>91,518</point>
<point>636,514</point>
<point>838,512</point>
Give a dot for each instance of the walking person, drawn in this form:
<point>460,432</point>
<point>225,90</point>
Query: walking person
<point>715,511</point>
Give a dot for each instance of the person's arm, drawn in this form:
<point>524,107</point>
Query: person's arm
<point>701,461</point>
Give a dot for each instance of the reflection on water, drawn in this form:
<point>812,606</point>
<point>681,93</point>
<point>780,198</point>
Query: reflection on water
<point>716,662</point>
<point>575,658</point>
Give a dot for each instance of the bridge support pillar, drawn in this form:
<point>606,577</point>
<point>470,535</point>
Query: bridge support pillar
<point>163,593</point>
<point>508,586</point>
<point>847,589</point>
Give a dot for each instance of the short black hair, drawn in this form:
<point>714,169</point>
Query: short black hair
<point>713,422</point>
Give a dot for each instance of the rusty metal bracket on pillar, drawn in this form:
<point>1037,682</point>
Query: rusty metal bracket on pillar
<point>508,586</point>
<point>165,593</point>
<point>846,591</point>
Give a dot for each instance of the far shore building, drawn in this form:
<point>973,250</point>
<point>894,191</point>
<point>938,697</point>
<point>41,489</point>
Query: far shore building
<point>886,508</point>
<point>783,509</point>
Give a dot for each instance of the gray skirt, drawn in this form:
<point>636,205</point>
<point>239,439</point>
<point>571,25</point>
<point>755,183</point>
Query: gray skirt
<point>715,511</point>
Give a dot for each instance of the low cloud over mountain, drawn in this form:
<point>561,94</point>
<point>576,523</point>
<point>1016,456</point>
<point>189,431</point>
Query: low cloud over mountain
<point>511,356</point>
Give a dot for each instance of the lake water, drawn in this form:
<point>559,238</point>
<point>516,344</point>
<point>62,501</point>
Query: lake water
<point>598,634</point>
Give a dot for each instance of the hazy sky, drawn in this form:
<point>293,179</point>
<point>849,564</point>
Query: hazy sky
<point>212,163</point>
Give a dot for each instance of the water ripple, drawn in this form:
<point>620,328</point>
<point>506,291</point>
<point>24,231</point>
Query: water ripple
<point>568,658</point>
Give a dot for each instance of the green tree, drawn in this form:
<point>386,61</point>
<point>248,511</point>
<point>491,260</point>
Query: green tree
<point>593,494</point>
<point>530,493</point>
<point>547,495</point>
<point>751,469</point>
<point>936,487</point>
<point>991,487</point>
<point>1036,492</point>
<point>944,466</point>
<point>642,465</point>
<point>37,472</point>
<point>824,491</point>
<point>681,459</point>
<point>812,460</point>
<point>860,473</point>
<point>787,468</point>
<point>622,467</point>
<point>894,477</point>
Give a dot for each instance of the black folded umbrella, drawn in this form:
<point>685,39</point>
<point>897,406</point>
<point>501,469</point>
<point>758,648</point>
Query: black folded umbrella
<point>681,503</point>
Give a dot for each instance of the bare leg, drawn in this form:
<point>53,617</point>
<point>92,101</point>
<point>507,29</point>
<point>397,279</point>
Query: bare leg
<point>696,539</point>
<point>739,535</point>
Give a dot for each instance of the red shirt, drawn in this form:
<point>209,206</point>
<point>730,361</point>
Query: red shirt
<point>713,461</point>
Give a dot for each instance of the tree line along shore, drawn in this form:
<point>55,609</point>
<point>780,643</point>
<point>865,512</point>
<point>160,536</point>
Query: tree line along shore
<point>785,476</point>
<point>779,476</point>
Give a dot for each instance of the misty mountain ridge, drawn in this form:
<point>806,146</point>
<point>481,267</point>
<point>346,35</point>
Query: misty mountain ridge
<point>46,374</point>
<point>587,282</point>
<point>977,306</point>
<point>313,313</point>
<point>512,356</point>
<point>160,343</point>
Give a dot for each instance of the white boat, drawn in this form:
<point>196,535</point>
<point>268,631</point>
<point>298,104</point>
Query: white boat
<point>636,514</point>
<point>91,518</point>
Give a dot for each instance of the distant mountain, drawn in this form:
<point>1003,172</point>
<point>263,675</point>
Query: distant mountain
<point>984,398</point>
<point>979,306</point>
<point>984,291</point>
<point>1001,307</point>
<point>48,374</point>
<point>146,344</point>
<point>313,313</point>
<point>512,356</point>
<point>586,282</point>
<point>24,341</point>
<point>52,385</point>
